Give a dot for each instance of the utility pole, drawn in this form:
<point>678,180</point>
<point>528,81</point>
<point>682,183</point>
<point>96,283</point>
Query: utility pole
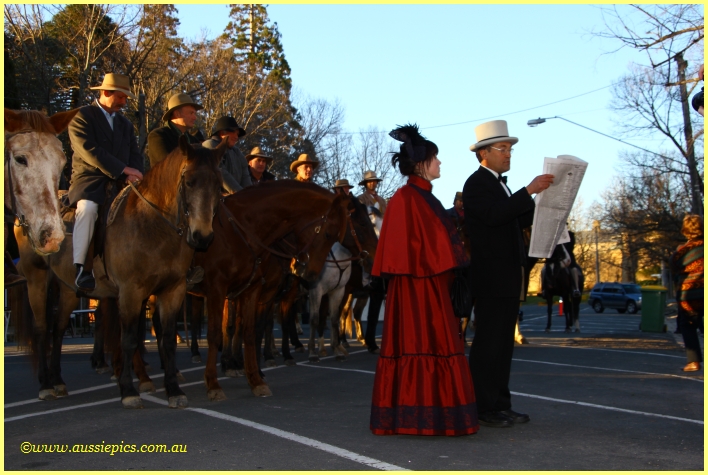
<point>696,185</point>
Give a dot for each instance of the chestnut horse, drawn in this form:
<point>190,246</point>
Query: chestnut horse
<point>146,253</point>
<point>34,160</point>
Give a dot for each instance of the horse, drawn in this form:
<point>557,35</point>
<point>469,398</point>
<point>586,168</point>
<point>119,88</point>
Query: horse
<point>145,254</point>
<point>307,219</point>
<point>557,281</point>
<point>34,160</point>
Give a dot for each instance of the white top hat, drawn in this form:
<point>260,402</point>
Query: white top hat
<point>490,133</point>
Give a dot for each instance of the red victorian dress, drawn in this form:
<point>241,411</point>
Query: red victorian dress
<point>423,384</point>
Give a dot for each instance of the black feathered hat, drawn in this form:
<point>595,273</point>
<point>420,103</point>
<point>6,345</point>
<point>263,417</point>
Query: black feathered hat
<point>413,142</point>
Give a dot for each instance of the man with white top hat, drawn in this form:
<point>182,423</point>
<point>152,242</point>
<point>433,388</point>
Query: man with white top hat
<point>494,218</point>
<point>105,149</point>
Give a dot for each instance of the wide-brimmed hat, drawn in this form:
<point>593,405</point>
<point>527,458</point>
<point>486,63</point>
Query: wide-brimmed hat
<point>256,152</point>
<point>369,175</point>
<point>227,123</point>
<point>490,133</point>
<point>177,101</point>
<point>344,183</point>
<point>458,196</point>
<point>116,82</point>
<point>304,159</point>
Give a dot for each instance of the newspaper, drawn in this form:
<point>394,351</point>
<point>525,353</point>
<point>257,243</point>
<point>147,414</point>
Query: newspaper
<point>554,204</point>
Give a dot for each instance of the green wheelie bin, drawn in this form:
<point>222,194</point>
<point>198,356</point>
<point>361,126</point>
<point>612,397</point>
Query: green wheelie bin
<point>653,306</point>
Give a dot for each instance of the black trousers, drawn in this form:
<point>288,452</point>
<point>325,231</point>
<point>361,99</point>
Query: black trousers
<point>372,318</point>
<point>492,350</point>
<point>689,327</point>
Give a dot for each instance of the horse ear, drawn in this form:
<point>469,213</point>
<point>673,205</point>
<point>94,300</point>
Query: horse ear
<point>12,121</point>
<point>60,120</point>
<point>222,148</point>
<point>184,145</point>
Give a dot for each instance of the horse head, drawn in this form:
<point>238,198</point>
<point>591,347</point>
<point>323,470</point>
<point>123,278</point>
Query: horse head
<point>34,160</point>
<point>317,237</point>
<point>200,190</point>
<point>361,238</point>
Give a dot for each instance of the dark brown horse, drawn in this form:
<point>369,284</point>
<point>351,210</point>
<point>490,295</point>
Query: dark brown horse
<point>247,228</point>
<point>148,250</point>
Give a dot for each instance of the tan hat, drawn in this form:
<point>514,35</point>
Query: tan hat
<point>369,175</point>
<point>177,101</point>
<point>256,152</point>
<point>458,196</point>
<point>490,133</point>
<point>304,159</point>
<point>116,82</point>
<point>344,183</point>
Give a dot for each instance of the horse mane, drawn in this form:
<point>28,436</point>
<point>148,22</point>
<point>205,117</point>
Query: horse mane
<point>163,176</point>
<point>36,121</point>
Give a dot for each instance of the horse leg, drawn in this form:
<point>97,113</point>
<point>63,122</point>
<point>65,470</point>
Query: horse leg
<point>67,302</point>
<point>248,315</point>
<point>568,312</point>
<point>129,309</point>
<point>358,311</point>
<point>335,299</point>
<point>196,328</point>
<point>372,320</point>
<point>322,325</point>
<point>464,323</point>
<point>345,318</point>
<point>215,320</point>
<point>98,357</point>
<point>315,299</point>
<point>170,303</point>
<point>268,349</point>
<point>38,286</point>
<point>549,309</point>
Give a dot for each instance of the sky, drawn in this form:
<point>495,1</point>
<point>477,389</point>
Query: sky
<point>437,65</point>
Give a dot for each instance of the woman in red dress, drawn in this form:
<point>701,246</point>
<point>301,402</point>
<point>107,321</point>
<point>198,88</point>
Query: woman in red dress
<point>423,384</point>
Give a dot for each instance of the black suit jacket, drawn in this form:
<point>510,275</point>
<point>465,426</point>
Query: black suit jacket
<point>100,154</point>
<point>493,222</point>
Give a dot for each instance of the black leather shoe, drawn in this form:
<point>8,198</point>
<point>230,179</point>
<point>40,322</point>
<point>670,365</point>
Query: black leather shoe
<point>495,419</point>
<point>84,280</point>
<point>517,417</point>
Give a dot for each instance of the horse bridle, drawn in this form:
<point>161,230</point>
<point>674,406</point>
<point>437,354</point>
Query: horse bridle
<point>363,254</point>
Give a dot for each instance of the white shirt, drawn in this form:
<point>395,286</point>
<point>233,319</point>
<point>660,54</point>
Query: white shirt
<point>109,117</point>
<point>506,188</point>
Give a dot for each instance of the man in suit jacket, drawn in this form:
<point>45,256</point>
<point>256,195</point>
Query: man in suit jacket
<point>105,148</point>
<point>494,218</point>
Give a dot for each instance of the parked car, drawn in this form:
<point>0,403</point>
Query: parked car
<point>624,297</point>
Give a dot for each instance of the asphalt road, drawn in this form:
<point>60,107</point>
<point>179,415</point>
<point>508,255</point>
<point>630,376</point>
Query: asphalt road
<point>607,398</point>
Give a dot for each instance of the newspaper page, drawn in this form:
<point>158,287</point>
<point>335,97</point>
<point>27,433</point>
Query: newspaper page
<point>553,205</point>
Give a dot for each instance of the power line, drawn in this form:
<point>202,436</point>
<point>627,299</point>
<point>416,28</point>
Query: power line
<point>490,117</point>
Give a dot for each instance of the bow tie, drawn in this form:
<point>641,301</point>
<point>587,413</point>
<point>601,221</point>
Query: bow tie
<point>502,179</point>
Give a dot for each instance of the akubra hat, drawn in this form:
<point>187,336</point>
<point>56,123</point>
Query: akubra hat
<point>344,183</point>
<point>116,82</point>
<point>177,101</point>
<point>369,175</point>
<point>227,123</point>
<point>458,196</point>
<point>490,133</point>
<point>256,152</point>
<point>304,159</point>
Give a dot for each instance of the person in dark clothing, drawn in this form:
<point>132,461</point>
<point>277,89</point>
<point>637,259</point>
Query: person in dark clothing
<point>180,118</point>
<point>258,163</point>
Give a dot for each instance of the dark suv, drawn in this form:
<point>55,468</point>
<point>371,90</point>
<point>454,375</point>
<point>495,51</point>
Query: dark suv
<point>623,297</point>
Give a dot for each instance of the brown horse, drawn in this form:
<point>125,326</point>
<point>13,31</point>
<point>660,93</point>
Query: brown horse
<point>247,229</point>
<point>34,160</point>
<point>146,253</point>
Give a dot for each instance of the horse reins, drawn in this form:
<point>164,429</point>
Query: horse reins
<point>181,205</point>
<point>362,253</point>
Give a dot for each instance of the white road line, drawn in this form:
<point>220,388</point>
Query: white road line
<point>610,369</point>
<point>611,350</point>
<point>609,408</point>
<point>62,409</point>
<point>373,463</point>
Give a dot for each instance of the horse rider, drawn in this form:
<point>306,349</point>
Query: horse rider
<point>494,218</point>
<point>105,149</point>
<point>257,164</point>
<point>234,167</point>
<point>565,258</point>
<point>369,197</point>
<point>342,187</point>
<point>180,118</point>
<point>457,212</point>
<point>305,167</point>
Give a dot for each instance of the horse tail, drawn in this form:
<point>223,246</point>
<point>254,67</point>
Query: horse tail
<point>23,319</point>
<point>346,316</point>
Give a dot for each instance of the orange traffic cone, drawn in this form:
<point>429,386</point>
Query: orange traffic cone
<point>560,307</point>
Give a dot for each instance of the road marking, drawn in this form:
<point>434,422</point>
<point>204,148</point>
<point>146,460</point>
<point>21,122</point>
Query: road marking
<point>61,409</point>
<point>609,369</point>
<point>373,463</point>
<point>614,351</point>
<point>609,408</point>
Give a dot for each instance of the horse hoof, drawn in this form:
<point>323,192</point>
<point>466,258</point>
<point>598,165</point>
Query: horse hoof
<point>180,378</point>
<point>271,363</point>
<point>548,330</point>
<point>343,350</point>
<point>323,352</point>
<point>345,344</point>
<point>567,330</point>
<point>577,330</point>
<point>361,340</point>
<point>146,387</point>
<point>196,359</point>
<point>103,369</point>
<point>132,402</point>
<point>114,378</point>
<point>47,394</point>
<point>341,358</point>
<point>276,354</point>
<point>216,395</point>
<point>233,373</point>
<point>290,362</point>
<point>299,349</point>
<point>178,402</point>
<point>314,359</point>
<point>60,390</point>
<point>262,391</point>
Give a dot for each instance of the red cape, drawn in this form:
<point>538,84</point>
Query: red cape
<point>414,241</point>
